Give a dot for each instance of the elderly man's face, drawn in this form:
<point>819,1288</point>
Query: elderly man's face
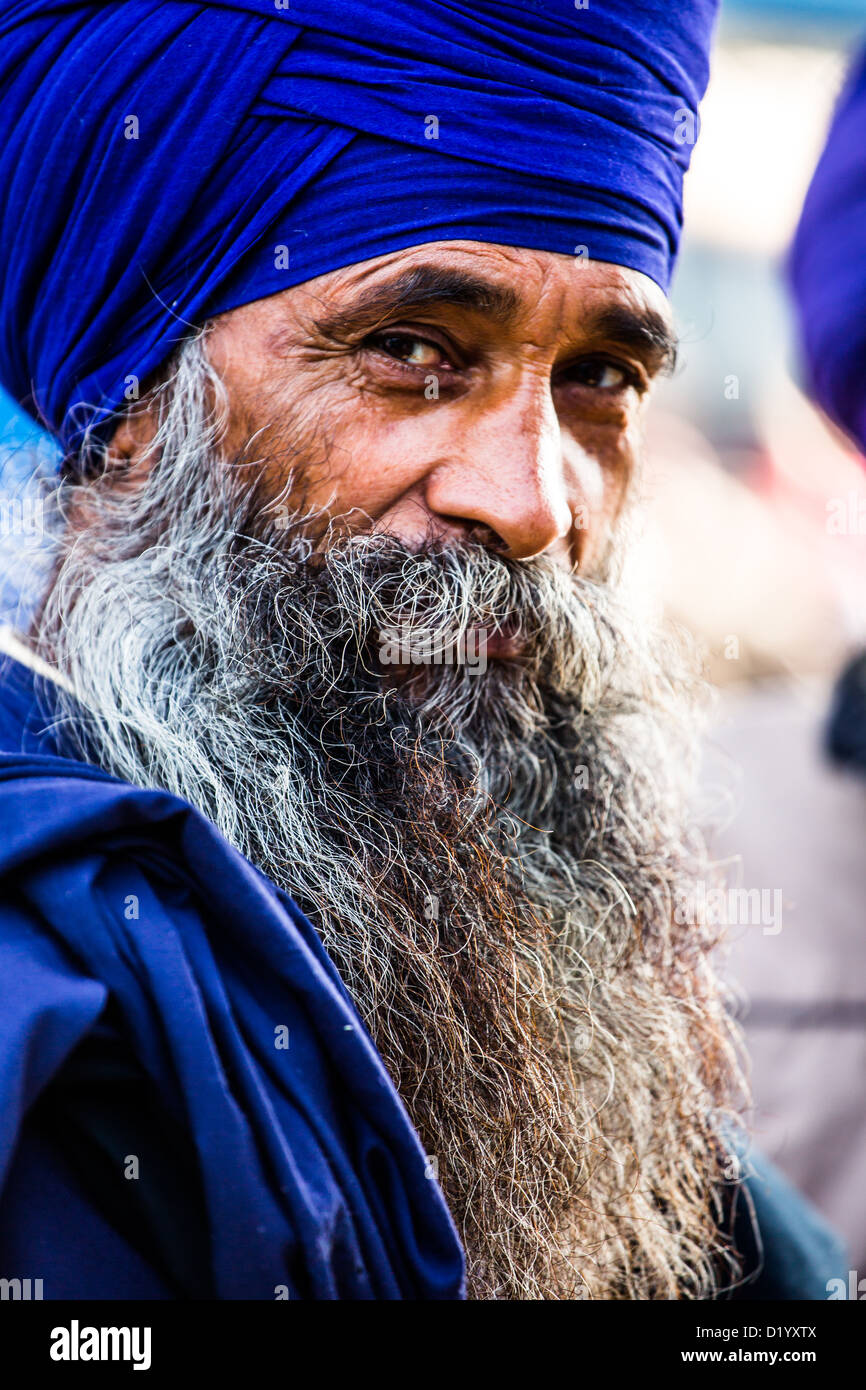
<point>454,389</point>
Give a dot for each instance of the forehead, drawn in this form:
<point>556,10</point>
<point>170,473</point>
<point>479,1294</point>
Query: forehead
<point>533,285</point>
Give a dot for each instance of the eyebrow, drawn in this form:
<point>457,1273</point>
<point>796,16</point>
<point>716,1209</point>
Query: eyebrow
<point>416,289</point>
<point>644,331</point>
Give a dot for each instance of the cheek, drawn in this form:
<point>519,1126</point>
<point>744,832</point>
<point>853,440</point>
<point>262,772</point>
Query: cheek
<point>598,463</point>
<point>348,447</point>
<point>588,481</point>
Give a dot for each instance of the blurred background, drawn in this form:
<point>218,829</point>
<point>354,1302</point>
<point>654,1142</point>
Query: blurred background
<point>756,541</point>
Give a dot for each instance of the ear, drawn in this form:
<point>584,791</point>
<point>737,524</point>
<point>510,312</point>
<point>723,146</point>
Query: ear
<point>130,448</point>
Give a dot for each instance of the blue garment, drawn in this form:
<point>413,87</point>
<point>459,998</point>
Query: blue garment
<point>788,1251</point>
<point>162,161</point>
<point>139,950</point>
<point>827,265</point>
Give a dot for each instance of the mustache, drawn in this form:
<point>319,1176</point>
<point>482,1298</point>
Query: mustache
<point>370,604</point>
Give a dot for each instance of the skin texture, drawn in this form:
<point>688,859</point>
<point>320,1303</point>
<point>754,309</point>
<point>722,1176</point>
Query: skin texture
<point>531,442</point>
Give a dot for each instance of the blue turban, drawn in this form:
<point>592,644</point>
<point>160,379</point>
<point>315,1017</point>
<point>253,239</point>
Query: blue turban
<point>828,265</point>
<point>163,161</point>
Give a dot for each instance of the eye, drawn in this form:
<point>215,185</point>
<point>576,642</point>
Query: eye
<point>409,349</point>
<point>601,374</point>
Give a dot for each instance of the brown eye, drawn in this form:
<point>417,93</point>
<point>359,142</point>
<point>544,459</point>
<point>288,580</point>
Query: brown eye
<point>408,348</point>
<point>600,374</point>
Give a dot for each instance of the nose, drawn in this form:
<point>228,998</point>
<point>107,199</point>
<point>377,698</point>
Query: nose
<point>504,473</point>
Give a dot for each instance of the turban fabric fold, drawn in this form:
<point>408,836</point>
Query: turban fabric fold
<point>827,265</point>
<point>164,162</point>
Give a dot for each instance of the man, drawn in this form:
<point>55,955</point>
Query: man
<point>344,800</point>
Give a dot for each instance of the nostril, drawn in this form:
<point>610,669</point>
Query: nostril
<point>482,534</point>
<point>468,529</point>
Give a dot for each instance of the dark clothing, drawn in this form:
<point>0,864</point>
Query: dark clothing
<point>787,1249</point>
<point>154,1143</point>
<point>189,1103</point>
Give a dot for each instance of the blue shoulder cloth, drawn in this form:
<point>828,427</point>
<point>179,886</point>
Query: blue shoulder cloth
<point>118,902</point>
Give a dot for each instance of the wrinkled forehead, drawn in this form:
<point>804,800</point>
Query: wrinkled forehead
<point>524,295</point>
<point>512,279</point>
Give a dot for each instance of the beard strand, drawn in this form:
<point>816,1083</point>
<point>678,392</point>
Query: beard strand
<point>490,857</point>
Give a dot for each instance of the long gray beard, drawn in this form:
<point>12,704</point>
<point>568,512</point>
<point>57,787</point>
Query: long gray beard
<point>490,857</point>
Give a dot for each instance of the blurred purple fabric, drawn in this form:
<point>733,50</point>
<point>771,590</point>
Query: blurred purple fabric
<point>827,265</point>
